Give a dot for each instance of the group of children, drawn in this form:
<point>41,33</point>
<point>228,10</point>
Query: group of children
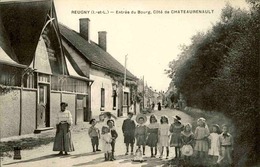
<point>108,137</point>
<point>163,135</point>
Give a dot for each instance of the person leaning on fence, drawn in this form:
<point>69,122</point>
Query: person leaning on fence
<point>63,141</point>
<point>225,145</point>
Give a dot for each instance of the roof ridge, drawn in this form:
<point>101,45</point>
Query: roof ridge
<point>93,52</point>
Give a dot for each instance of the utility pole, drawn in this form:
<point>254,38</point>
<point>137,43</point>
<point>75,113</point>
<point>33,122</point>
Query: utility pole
<point>143,91</point>
<point>124,86</point>
<point>125,71</point>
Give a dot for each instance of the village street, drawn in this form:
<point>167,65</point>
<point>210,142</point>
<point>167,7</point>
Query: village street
<point>83,155</point>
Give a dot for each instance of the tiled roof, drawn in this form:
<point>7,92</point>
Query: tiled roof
<point>93,52</point>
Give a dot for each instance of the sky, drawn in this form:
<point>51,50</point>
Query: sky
<point>152,40</point>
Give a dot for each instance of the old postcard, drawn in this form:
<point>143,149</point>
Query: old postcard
<point>132,83</point>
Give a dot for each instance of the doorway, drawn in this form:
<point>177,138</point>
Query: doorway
<point>43,107</point>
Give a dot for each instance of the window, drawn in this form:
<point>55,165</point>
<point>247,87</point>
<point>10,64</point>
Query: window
<point>126,99</point>
<point>29,81</point>
<point>10,76</point>
<point>62,83</point>
<point>102,98</point>
<point>114,99</point>
<point>42,94</point>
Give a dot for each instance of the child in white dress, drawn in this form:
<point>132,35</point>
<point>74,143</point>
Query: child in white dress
<point>106,139</point>
<point>213,137</point>
<point>201,145</point>
<point>164,136</point>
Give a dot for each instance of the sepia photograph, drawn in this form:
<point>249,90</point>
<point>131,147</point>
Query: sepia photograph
<point>148,83</point>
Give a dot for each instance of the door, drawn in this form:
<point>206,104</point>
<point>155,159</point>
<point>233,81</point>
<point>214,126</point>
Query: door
<point>43,109</point>
<point>87,112</point>
<point>80,105</point>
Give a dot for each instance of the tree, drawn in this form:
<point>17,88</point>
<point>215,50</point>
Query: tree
<point>220,71</point>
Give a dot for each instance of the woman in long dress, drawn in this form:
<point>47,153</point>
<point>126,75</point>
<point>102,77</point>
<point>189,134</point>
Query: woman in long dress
<point>63,140</point>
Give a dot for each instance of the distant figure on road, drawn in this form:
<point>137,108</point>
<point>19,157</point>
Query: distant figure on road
<point>159,106</point>
<point>63,140</point>
<point>153,106</point>
<point>128,129</point>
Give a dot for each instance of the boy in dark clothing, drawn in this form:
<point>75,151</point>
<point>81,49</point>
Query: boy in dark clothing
<point>114,135</point>
<point>94,134</point>
<point>128,128</point>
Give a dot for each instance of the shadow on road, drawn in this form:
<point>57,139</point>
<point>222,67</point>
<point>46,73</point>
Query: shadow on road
<point>93,162</point>
<point>84,154</point>
<point>123,159</point>
<point>148,163</point>
<point>34,159</point>
<point>99,160</point>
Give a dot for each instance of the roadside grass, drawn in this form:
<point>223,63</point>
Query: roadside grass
<point>25,143</point>
<point>34,140</point>
<point>212,117</point>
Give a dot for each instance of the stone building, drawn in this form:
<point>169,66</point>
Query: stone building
<point>108,93</point>
<point>35,74</point>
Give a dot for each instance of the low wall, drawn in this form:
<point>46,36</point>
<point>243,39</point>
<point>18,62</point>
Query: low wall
<point>10,113</point>
<point>29,111</point>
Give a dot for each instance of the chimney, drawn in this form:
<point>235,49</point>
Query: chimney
<point>84,24</point>
<point>102,40</point>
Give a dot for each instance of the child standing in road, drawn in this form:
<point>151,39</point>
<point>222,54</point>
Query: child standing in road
<point>141,132</point>
<point>225,145</point>
<point>164,135</point>
<point>176,128</point>
<point>152,139</point>
<point>106,142</point>
<point>128,129</point>
<point>94,134</point>
<point>187,141</point>
<point>213,137</point>
<point>114,135</point>
<point>201,136</point>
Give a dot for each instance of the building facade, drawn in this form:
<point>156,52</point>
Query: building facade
<point>108,93</point>
<point>35,73</point>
